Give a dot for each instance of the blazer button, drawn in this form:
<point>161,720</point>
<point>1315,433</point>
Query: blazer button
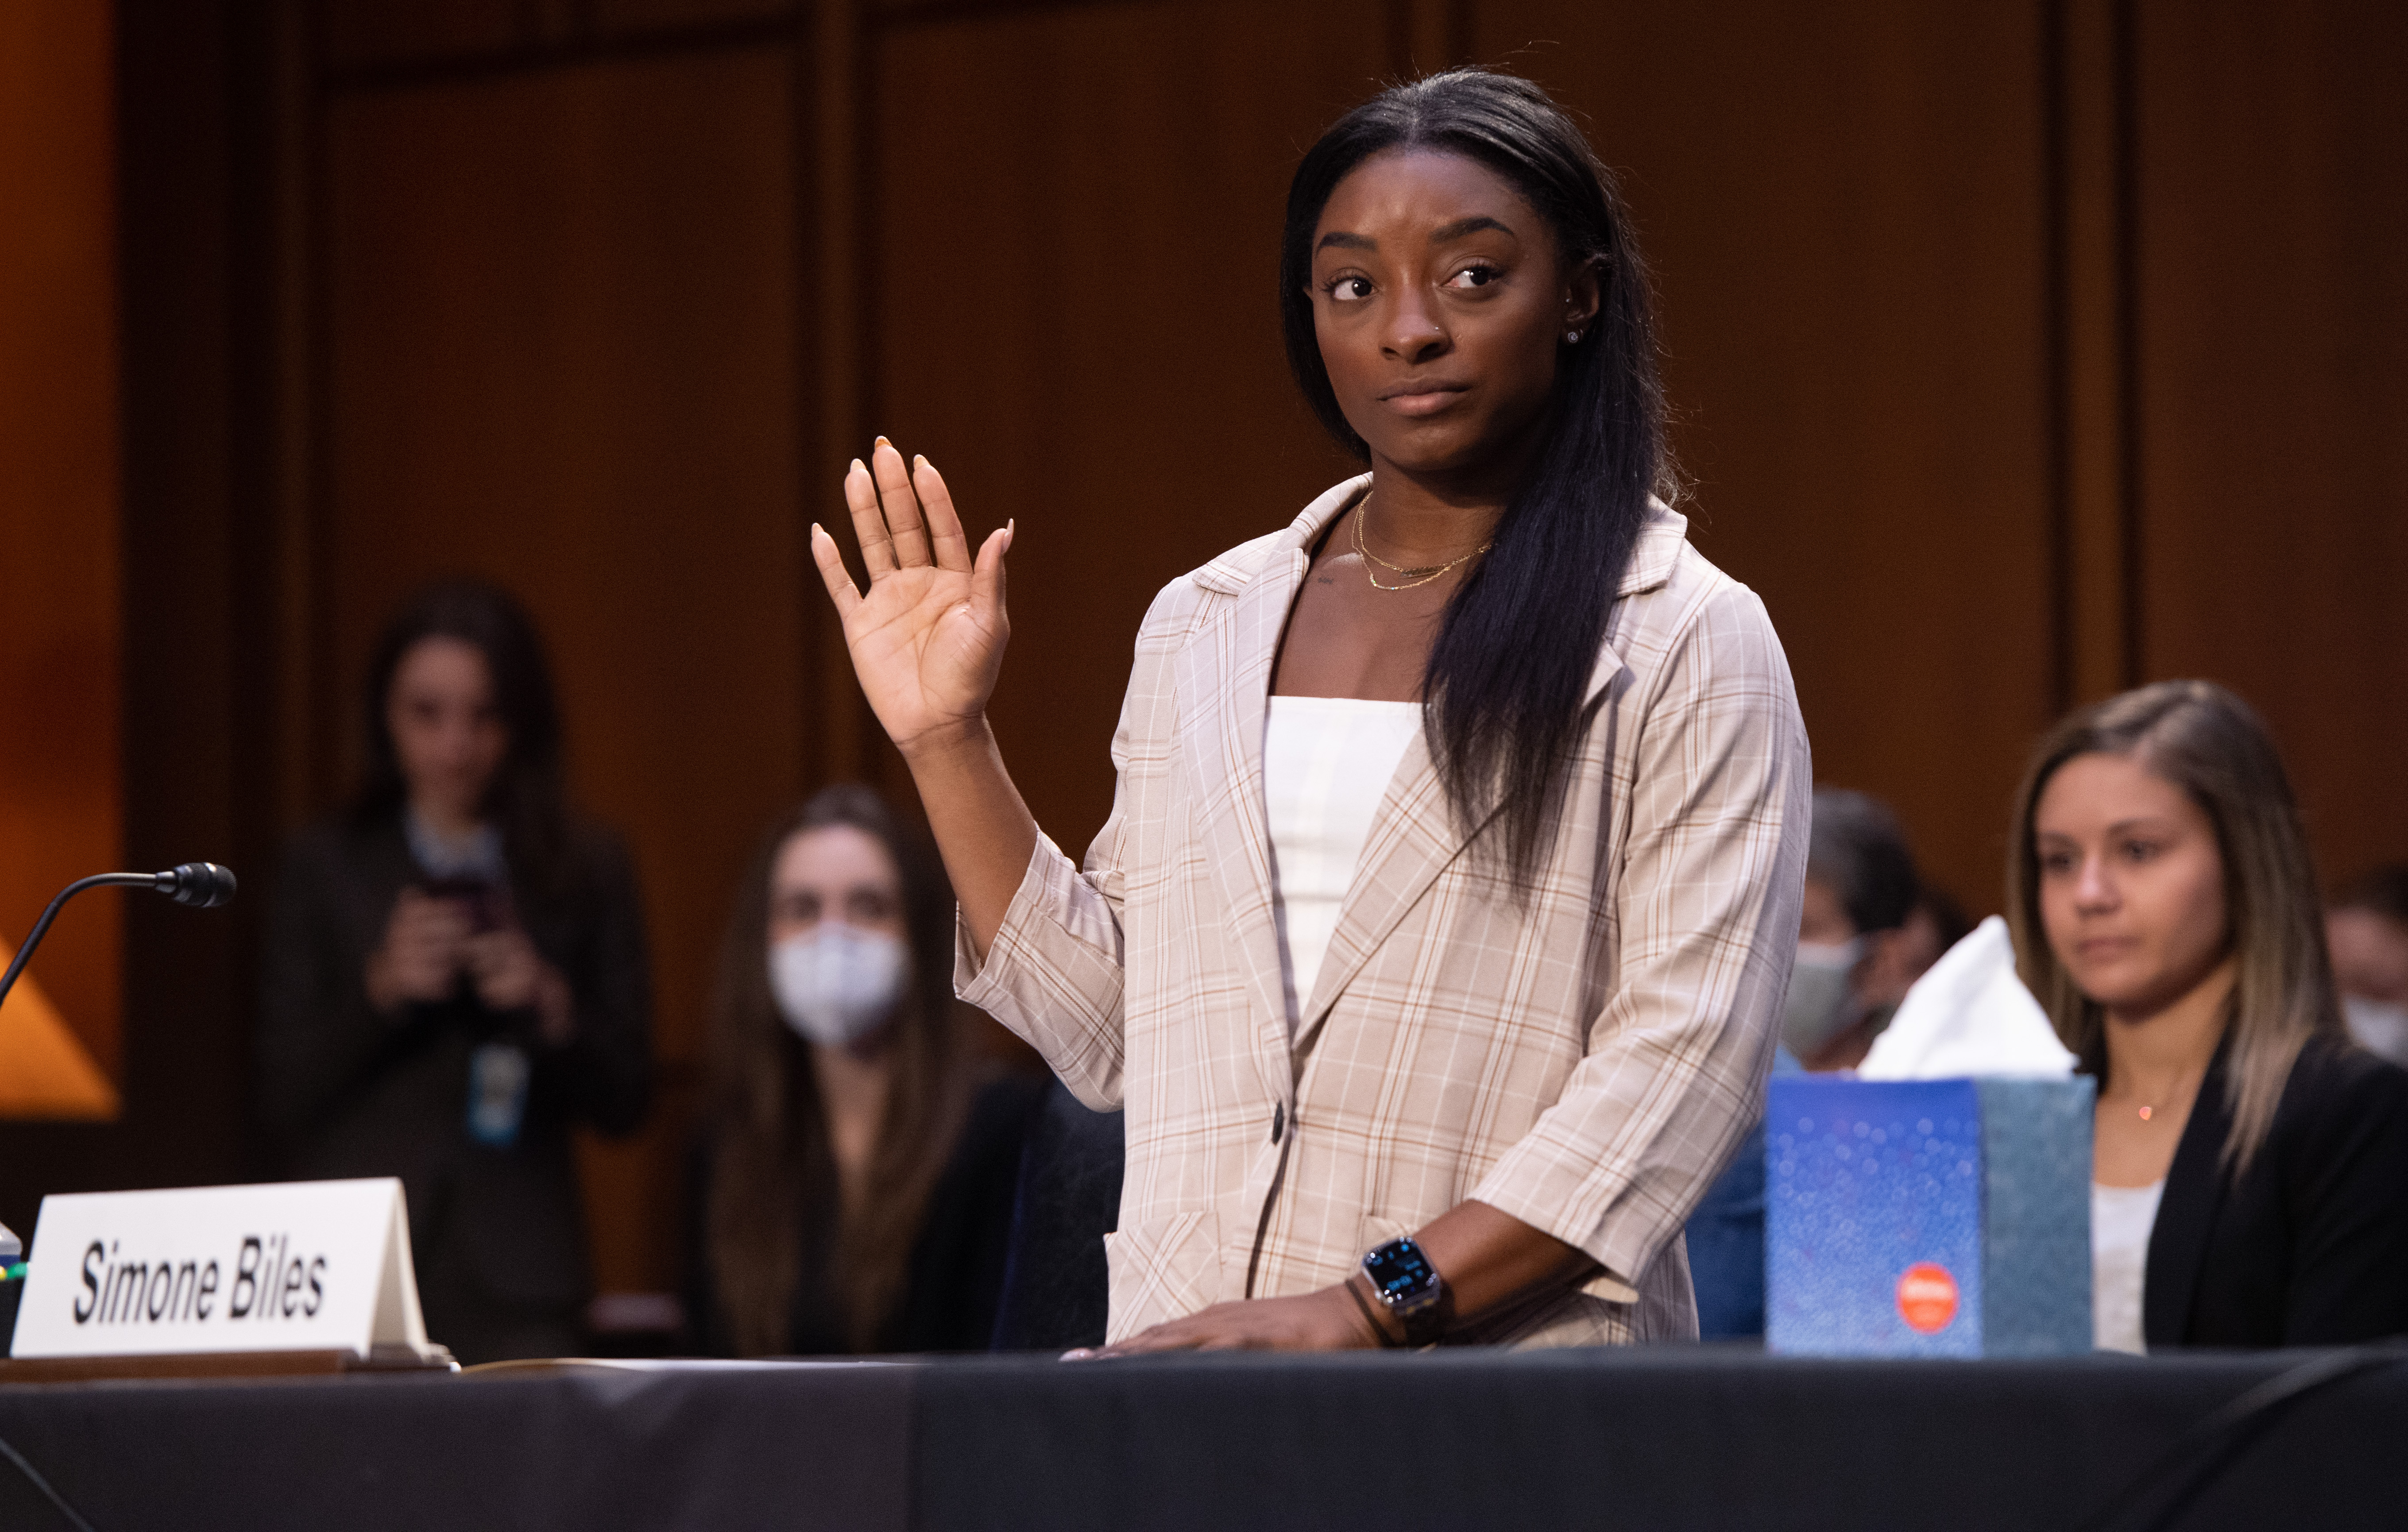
<point>1279,1121</point>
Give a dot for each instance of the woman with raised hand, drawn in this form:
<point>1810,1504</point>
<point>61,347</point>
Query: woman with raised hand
<point>2250,1180</point>
<point>1450,1059</point>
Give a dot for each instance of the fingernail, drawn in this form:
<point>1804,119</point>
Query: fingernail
<point>1077,1353</point>
<point>919,461</point>
<point>857,467</point>
<point>883,442</point>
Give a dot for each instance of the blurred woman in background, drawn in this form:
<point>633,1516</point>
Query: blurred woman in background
<point>2366,929</point>
<point>455,975</point>
<point>2250,1184</point>
<point>1857,949</point>
<point>856,1175</point>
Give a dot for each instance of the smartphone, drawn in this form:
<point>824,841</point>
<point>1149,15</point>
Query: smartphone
<point>488,904</point>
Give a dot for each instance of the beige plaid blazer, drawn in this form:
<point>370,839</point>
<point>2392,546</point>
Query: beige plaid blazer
<point>1584,1060</point>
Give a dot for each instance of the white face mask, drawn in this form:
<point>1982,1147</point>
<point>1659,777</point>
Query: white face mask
<point>2379,1027</point>
<point>1822,1000</point>
<point>835,983</point>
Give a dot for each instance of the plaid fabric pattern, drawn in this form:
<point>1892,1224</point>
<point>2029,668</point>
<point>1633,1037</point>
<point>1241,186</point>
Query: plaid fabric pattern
<point>1584,1058</point>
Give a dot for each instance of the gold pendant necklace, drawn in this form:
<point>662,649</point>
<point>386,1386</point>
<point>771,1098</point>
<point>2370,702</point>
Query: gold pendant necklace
<point>2149,1110</point>
<point>1419,576</point>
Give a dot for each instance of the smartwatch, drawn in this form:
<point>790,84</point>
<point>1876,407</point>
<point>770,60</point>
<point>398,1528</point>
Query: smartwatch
<point>1404,1281</point>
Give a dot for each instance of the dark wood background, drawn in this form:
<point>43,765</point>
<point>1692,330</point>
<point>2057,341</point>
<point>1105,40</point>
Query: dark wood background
<point>2021,353</point>
<point>61,799</point>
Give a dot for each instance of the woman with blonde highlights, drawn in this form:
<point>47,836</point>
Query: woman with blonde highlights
<point>2250,1186</point>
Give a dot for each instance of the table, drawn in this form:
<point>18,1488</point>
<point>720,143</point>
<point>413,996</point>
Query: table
<point>1658,1438</point>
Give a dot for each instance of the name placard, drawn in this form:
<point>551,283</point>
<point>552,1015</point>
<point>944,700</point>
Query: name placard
<point>301,1266</point>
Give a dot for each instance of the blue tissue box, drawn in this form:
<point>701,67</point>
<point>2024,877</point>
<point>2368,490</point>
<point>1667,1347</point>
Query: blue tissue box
<point>1926,1218</point>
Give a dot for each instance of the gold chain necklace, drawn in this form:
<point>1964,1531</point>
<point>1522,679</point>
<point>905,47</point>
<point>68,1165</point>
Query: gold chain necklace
<point>1416,577</point>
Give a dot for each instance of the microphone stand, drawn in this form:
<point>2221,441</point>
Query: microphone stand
<point>202,883</point>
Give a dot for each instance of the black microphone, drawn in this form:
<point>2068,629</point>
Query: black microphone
<point>202,883</point>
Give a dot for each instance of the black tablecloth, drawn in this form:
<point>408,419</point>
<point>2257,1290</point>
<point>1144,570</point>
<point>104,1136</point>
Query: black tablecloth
<point>1652,1439</point>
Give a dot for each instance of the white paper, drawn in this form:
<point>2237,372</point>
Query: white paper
<point>300,1265</point>
<point>1969,1015</point>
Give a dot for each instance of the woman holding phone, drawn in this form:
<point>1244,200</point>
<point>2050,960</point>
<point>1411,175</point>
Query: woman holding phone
<point>1452,1059</point>
<point>455,976</point>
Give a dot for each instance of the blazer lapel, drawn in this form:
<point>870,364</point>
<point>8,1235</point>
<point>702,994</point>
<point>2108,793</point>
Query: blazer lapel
<point>1226,670</point>
<point>2195,1186</point>
<point>380,853</point>
<point>1413,836</point>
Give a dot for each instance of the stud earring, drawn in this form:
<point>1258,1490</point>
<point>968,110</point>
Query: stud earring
<point>1571,337</point>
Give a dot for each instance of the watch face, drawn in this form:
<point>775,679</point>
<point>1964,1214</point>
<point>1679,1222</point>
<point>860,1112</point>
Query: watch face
<point>1400,1270</point>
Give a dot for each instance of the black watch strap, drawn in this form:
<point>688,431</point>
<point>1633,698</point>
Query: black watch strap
<point>1371,1316</point>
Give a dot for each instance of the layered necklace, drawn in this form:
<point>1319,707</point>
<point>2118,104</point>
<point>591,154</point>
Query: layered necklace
<point>1414,574</point>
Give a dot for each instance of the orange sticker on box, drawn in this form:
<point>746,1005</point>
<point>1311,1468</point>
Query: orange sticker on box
<point>1927,1297</point>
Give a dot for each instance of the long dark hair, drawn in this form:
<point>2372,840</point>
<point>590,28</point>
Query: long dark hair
<point>526,798</point>
<point>2203,740</point>
<point>1502,697</point>
<point>768,1133</point>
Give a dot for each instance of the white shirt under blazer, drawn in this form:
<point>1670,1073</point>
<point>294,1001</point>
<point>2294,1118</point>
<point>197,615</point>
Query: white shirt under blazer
<point>1327,763</point>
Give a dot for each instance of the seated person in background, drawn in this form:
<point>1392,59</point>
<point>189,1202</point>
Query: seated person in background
<point>2250,1183</point>
<point>1936,923</point>
<point>455,975</point>
<point>1866,935</point>
<point>1858,954</point>
<point>2367,929</point>
<point>855,1177</point>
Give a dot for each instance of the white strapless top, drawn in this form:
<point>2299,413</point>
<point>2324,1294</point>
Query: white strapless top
<point>1327,763</point>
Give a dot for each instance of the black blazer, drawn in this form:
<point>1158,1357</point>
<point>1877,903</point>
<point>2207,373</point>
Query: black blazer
<point>347,1092</point>
<point>2309,1247</point>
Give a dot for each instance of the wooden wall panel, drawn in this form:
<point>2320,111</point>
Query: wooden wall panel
<point>1845,208</point>
<point>431,36</point>
<point>183,1061</point>
<point>2273,387</point>
<point>61,785</point>
<point>637,17</point>
<point>1075,317</point>
<point>361,33</point>
<point>561,322</point>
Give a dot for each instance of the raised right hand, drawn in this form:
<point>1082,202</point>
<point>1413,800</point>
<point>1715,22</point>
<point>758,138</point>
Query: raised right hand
<point>927,641</point>
<point>424,947</point>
